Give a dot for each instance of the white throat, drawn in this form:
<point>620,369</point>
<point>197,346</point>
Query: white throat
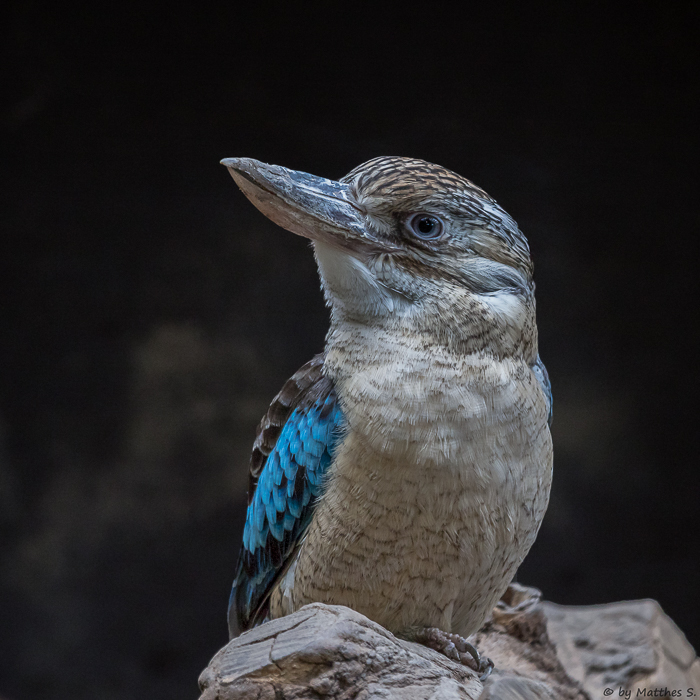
<point>350,287</point>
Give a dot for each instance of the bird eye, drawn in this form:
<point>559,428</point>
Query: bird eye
<point>425,226</point>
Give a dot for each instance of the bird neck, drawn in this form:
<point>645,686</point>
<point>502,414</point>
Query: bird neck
<point>459,323</point>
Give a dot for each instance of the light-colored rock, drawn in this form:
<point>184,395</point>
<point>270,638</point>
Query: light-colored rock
<point>328,651</point>
<point>526,664</point>
<point>631,645</point>
<point>542,651</point>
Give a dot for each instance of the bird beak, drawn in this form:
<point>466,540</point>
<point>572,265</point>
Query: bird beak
<point>310,206</point>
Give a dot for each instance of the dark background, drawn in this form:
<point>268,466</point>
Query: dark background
<point>150,312</point>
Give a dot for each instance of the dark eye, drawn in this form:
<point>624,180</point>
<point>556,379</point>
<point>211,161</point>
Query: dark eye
<point>425,226</point>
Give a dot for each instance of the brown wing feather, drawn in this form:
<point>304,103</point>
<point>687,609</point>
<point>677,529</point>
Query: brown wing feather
<point>280,409</point>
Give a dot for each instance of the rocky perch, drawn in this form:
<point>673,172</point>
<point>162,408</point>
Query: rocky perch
<point>541,651</point>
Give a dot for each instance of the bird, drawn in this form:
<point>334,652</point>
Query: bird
<point>404,471</point>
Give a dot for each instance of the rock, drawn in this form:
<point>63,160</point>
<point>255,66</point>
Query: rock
<point>526,662</point>
<point>631,645</point>
<point>328,651</point>
<point>542,651</point>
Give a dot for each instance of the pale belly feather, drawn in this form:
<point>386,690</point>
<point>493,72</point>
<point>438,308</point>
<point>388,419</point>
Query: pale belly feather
<point>435,495</point>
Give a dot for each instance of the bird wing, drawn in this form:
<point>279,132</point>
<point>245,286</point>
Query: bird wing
<point>293,448</point>
<point>543,378</point>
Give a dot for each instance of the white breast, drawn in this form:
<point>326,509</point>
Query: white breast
<point>437,492</point>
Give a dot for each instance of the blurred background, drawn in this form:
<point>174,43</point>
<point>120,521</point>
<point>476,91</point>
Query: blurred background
<point>150,313</point>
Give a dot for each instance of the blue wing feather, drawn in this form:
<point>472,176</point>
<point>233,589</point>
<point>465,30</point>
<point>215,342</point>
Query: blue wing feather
<point>282,503</point>
<point>543,378</point>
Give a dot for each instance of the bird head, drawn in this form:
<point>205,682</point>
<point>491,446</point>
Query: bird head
<point>401,241</point>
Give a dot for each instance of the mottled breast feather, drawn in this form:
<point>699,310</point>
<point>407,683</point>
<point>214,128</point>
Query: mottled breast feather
<point>292,451</point>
